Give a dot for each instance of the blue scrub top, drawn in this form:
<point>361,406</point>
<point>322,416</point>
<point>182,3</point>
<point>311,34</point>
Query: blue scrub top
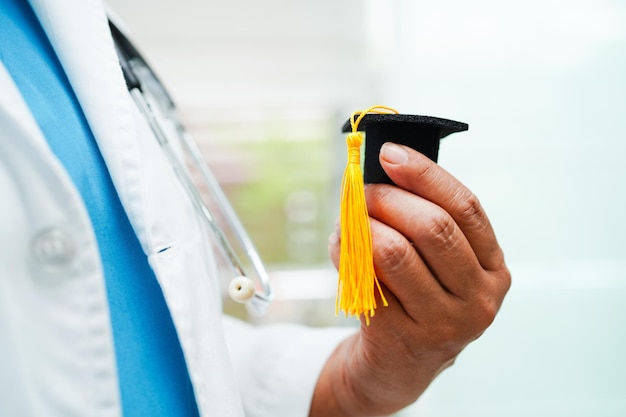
<point>153,375</point>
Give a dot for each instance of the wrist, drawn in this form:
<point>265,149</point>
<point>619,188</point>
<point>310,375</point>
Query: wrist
<point>348,387</point>
<point>331,396</point>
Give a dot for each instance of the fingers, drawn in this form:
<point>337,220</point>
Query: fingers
<point>417,174</point>
<point>400,268</point>
<point>401,271</point>
<point>415,292</point>
<point>434,246</point>
<point>436,233</point>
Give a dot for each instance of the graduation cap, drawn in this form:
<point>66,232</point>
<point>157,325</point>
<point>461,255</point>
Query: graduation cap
<point>421,133</point>
<point>358,290</point>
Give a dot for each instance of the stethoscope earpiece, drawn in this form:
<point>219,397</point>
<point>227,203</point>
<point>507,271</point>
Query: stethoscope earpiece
<point>241,289</point>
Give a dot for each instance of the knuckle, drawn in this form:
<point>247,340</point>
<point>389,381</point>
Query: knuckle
<point>505,279</point>
<point>425,173</point>
<point>451,338</point>
<point>423,166</point>
<point>463,324</point>
<point>378,197</point>
<point>392,252</point>
<point>489,311</point>
<point>469,208</point>
<point>440,229</point>
<point>485,311</point>
<point>377,192</point>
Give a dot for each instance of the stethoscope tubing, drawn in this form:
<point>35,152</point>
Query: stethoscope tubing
<point>139,77</point>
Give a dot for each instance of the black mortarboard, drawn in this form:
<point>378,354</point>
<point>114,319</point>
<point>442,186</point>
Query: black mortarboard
<point>421,133</point>
<point>358,285</point>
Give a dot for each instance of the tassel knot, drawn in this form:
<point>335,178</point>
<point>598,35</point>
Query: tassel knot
<point>354,142</point>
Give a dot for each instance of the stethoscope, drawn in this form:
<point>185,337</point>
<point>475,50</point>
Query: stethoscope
<point>159,110</point>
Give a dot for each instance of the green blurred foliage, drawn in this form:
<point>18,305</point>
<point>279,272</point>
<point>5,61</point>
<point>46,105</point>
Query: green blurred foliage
<point>280,169</point>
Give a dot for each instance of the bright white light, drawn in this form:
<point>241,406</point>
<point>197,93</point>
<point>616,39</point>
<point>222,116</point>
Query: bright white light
<point>492,34</point>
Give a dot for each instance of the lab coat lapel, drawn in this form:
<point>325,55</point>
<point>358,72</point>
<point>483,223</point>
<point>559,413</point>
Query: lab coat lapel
<point>91,65</point>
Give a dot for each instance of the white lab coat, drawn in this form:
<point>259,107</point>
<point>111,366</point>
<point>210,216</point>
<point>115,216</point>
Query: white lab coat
<point>56,347</point>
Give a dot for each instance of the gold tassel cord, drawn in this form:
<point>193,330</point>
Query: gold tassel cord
<point>356,289</point>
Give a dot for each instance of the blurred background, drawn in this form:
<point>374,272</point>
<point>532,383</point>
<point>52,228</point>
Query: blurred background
<point>264,87</point>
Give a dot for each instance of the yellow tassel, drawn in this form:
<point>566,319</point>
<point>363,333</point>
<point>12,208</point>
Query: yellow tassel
<point>356,290</point>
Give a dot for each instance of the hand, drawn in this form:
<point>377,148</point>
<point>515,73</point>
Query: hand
<point>443,274</point>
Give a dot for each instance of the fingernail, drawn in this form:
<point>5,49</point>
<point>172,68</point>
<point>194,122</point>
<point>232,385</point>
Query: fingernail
<point>393,154</point>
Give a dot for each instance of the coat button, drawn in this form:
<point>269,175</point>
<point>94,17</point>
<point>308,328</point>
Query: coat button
<point>53,247</point>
